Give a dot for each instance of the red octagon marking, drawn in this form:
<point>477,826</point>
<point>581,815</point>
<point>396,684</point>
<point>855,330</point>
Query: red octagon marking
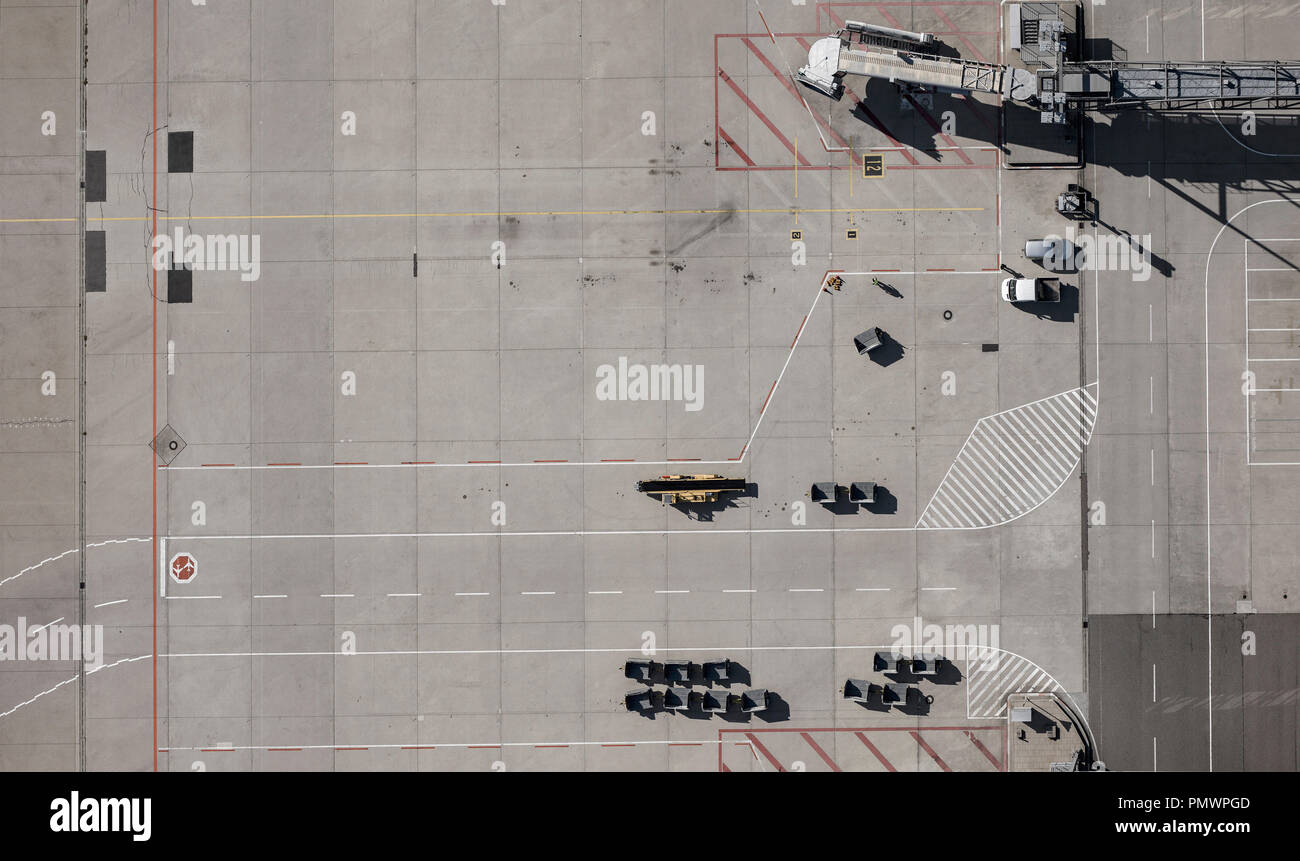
<point>184,567</point>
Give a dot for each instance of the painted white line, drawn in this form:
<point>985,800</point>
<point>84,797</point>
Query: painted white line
<point>1153,467</point>
<point>270,596</point>
<point>672,591</point>
<point>610,592</point>
<point>57,557</point>
<point>1151,322</point>
<point>46,625</point>
<point>872,589</point>
<point>1153,754</point>
<point>471,594</point>
<point>339,595</point>
<point>806,590</point>
<point>1151,408</point>
<point>192,597</point>
<point>405,594</point>
<point>536,593</point>
<point>1153,683</point>
<point>1153,539</point>
<point>938,588</point>
<point>111,603</point>
<point>728,591</point>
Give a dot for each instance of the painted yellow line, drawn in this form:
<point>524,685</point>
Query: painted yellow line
<point>562,212</point>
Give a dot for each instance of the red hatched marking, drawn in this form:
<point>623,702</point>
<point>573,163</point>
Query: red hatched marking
<point>789,87</point>
<point>735,88</point>
<point>889,766</point>
<point>984,750</point>
<point>735,147</point>
<point>816,747</point>
<point>758,746</point>
<point>926,747</point>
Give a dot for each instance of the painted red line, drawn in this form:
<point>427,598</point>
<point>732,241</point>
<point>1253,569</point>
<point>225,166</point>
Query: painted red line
<point>769,397</point>
<point>483,461</point>
<point>484,747</point>
<point>758,745</point>
<point>735,147</point>
<point>616,460</point>
<point>758,113</point>
<point>790,88</point>
<point>974,107</point>
<point>984,750</point>
<point>892,21</point>
<point>550,461</point>
<point>716,146</point>
<point>218,464</point>
<point>742,454</point>
<point>419,747</point>
<point>934,124</point>
<point>683,458</point>
<point>860,105</point>
<point>828,167</point>
<point>889,766</point>
<point>925,747</point>
<point>765,27</point>
<point>685,744</point>
<point>541,746</point>
<point>900,728</point>
<point>960,35</point>
<point>284,748</point>
<point>825,757</point>
<point>990,270</point>
<point>941,270</point>
<point>418,462</point>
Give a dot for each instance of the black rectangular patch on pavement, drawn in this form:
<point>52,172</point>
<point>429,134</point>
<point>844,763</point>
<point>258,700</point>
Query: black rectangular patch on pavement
<point>990,348</point>
<point>180,152</point>
<point>96,262</point>
<point>96,176</point>
<point>180,285</point>
<point>873,166</point>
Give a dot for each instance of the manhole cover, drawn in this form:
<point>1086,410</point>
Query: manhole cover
<point>168,444</point>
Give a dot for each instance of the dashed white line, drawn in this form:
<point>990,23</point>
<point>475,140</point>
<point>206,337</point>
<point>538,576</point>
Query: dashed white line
<point>46,625</point>
<point>739,590</point>
<point>938,588</point>
<point>270,596</point>
<point>672,591</point>
<point>340,595</point>
<point>806,590</point>
<point>192,597</point>
<point>405,594</point>
<point>608,592</point>
<point>471,594</point>
<point>111,603</point>
<point>872,589</point>
<point>536,593</point>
